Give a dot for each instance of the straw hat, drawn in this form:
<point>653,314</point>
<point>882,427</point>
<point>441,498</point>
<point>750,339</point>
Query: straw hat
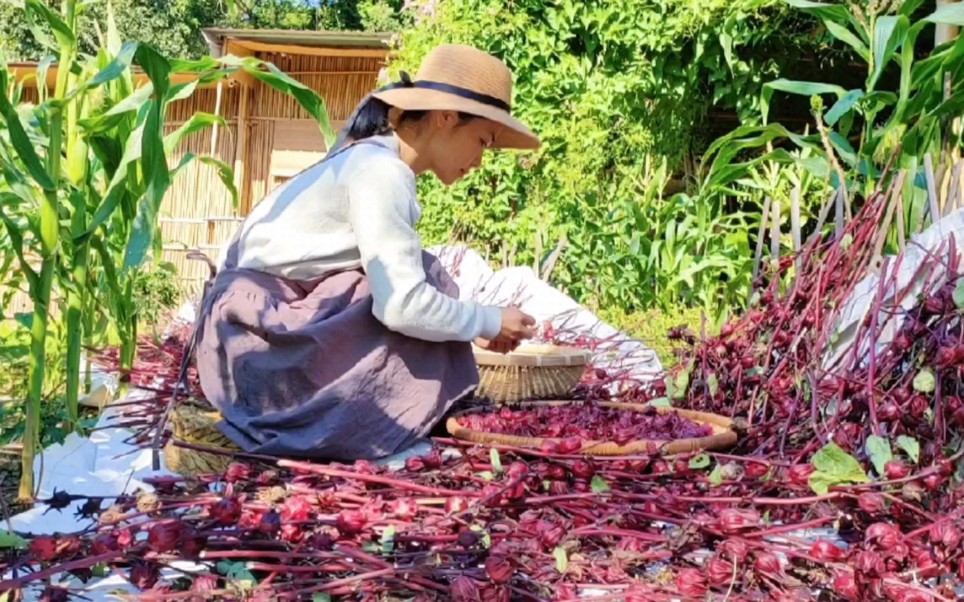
<point>461,78</point>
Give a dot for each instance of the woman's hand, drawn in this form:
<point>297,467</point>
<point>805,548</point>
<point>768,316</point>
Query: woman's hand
<point>516,325</point>
<point>497,345</point>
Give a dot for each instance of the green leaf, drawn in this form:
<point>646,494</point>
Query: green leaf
<point>801,88</point>
<point>495,460</point>
<point>199,121</point>
<point>598,484</point>
<point>321,597</point>
<point>661,402</point>
<point>959,294</point>
<point>889,33</point>
<point>835,467</point>
<point>949,14</point>
<point>237,572</point>
<point>9,540</point>
<point>925,381</point>
<point>562,560</point>
<point>716,476</point>
<point>848,37</point>
<point>487,475</point>
<point>681,382</point>
<point>21,142</point>
<point>843,106</point>
<point>388,539</point>
<point>910,446</point>
<point>833,12</point>
<point>120,64</point>
<point>700,462</point>
<point>713,384</point>
<point>878,449</point>
<point>65,36</point>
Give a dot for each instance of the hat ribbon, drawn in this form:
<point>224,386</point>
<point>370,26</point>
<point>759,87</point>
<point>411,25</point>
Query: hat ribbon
<point>406,82</point>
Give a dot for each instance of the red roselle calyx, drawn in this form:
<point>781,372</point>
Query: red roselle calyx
<point>498,568</point>
<point>720,572</point>
<point>464,589</point>
<point>733,520</point>
<point>845,586</point>
<point>756,470</point>
<point>871,503</point>
<point>351,522</point>
<point>799,475</point>
<point>414,464</point>
<point>691,582</point>
<point>946,535</point>
<point>296,509</point>
<point>166,536</point>
<point>403,508</point>
<point>582,469</point>
<point>768,565</point>
<point>885,536</point>
<point>825,551</point>
<point>226,512</point>
<point>869,564</point>
<point>270,523</point>
<point>44,548</point>
<point>734,549</point>
<point>433,459</point>
<point>896,469</point>
<point>237,472</point>
<point>144,576</point>
<point>455,505</point>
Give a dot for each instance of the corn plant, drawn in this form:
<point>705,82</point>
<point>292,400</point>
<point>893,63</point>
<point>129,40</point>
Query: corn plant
<point>84,173</point>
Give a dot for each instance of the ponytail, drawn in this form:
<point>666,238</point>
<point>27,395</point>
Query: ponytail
<point>370,118</point>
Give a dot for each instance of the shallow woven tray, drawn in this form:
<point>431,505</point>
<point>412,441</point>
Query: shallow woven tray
<point>723,434</point>
<point>530,372</point>
<point>197,426</point>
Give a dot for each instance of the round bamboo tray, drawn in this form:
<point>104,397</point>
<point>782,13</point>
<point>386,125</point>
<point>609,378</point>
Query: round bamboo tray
<point>723,434</point>
<point>529,372</point>
<point>197,426</point>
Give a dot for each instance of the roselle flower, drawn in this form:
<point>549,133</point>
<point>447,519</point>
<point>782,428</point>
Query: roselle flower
<point>237,472</point>
<point>556,473</point>
<point>324,539</point>
<point>104,543</point>
<point>498,569</point>
<point>433,459</point>
<point>54,593</point>
<point>518,471</point>
<point>933,482</point>
<point>495,593</point>
<point>464,589</point>
<point>946,535</point>
<point>768,565</point>
<point>292,533</point>
<point>144,576</point>
<point>350,523</point>
<point>455,505</point>
<point>895,469</point>
<point>691,582</point>
<point>125,537</point>
<point>845,586</point>
<point>871,503</point>
<point>799,475</point>
<point>403,508</point>
<point>296,509</point>
<point>884,535</point>
<point>720,572</point>
<point>825,551</point>
<point>559,488</point>
<point>550,534</point>
<point>570,445</point>
<point>44,548</point>
<point>268,477</point>
<point>888,412</point>
<point>226,511</point>
<point>166,536</point>
<point>414,464</point>
<point>733,520</point>
<point>734,549</point>
<point>205,583</point>
<point>869,564</point>
<point>270,523</point>
<point>927,567</point>
<point>549,447</point>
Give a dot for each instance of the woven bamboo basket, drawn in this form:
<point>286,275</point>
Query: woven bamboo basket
<point>723,434</point>
<point>529,372</point>
<point>197,426</point>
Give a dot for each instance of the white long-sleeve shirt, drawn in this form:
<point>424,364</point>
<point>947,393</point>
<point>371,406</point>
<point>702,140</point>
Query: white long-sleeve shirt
<point>359,209</point>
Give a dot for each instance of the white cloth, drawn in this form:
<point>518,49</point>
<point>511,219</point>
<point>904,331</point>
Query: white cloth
<point>359,209</point>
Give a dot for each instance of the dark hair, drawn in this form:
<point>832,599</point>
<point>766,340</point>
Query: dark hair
<point>370,118</point>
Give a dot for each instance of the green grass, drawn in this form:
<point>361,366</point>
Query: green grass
<point>651,328</point>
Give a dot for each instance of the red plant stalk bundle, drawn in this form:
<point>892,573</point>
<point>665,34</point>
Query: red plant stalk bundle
<point>863,447</point>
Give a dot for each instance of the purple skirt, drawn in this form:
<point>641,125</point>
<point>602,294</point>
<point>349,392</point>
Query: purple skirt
<point>304,369</point>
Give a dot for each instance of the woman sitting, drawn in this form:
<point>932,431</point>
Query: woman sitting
<point>329,332</point>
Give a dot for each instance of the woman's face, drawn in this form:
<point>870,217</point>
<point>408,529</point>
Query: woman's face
<point>456,147</point>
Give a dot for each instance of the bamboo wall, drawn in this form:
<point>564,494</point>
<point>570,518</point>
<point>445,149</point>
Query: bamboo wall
<point>267,139</point>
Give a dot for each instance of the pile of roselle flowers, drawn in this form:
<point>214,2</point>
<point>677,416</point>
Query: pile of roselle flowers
<point>863,451</point>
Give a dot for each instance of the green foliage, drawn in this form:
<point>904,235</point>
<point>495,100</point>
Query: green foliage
<point>620,92</point>
<point>156,292</point>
